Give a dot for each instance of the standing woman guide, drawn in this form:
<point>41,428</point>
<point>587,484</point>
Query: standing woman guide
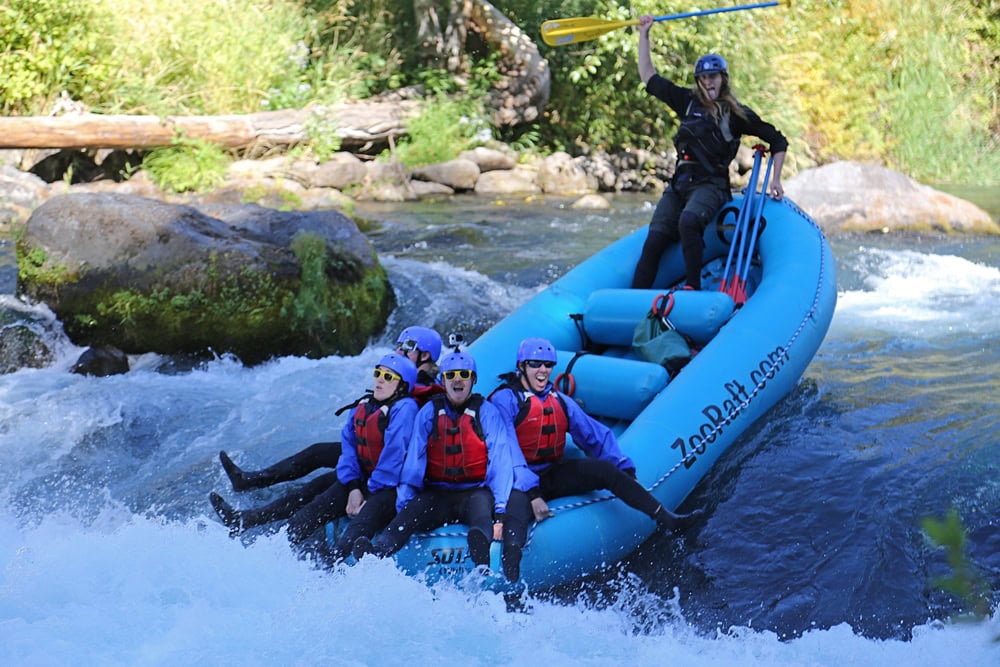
<point>712,121</point>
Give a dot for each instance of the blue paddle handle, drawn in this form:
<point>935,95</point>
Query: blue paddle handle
<point>685,15</point>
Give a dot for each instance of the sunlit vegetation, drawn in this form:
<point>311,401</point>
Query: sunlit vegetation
<point>912,85</point>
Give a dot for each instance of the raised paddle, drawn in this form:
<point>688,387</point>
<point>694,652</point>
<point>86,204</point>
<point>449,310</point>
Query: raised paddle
<point>559,32</point>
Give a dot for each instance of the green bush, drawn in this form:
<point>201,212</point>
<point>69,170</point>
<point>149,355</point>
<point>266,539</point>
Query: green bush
<point>444,128</point>
<point>48,46</point>
<point>912,85</point>
<point>187,165</point>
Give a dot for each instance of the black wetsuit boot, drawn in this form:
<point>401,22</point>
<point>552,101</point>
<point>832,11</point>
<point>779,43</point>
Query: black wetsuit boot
<point>230,517</point>
<point>300,464</point>
<point>479,547</point>
<point>667,520</point>
<point>511,561</point>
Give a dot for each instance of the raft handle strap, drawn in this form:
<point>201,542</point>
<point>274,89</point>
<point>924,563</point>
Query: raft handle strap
<point>565,382</point>
<point>585,341</point>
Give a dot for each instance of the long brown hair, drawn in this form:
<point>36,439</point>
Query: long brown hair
<point>726,101</point>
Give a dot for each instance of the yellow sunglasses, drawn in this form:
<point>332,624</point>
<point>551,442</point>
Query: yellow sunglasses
<point>389,376</point>
<point>451,375</point>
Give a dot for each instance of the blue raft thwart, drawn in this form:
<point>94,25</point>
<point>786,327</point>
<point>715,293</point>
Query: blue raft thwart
<point>747,359</point>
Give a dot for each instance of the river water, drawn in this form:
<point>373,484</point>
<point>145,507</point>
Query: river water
<point>810,553</point>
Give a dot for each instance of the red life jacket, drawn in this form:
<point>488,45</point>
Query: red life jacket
<point>369,432</point>
<point>456,448</point>
<point>424,392</point>
<point>541,426</point>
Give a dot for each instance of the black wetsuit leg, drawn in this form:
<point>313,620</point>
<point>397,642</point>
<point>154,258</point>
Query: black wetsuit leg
<point>476,511</point>
<point>379,509</point>
<point>427,510</point>
<point>325,507</point>
<point>314,457</point>
<point>473,507</point>
<point>570,477</point>
<point>662,232</point>
<point>704,200</point>
<point>515,533</point>
<point>290,503</point>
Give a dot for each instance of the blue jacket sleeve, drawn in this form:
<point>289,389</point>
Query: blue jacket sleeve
<point>397,437</point>
<point>500,467</point>
<point>411,478</point>
<point>525,478</point>
<point>593,437</point>
<point>348,468</point>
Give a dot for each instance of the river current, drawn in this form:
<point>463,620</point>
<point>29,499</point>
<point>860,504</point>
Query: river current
<point>811,551</point>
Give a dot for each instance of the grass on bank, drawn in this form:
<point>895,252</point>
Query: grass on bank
<point>911,85</point>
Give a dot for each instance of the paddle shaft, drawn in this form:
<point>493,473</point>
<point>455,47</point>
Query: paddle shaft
<point>720,10</point>
<point>757,214</point>
<point>748,198</point>
<point>742,217</point>
<point>558,32</point>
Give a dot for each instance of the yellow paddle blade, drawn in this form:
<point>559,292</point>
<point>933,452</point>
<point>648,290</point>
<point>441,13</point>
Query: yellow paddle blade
<point>559,32</point>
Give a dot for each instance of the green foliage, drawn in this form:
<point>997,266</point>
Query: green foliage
<point>964,581</point>
<point>444,128</point>
<point>210,57</point>
<point>33,265</point>
<point>276,197</point>
<point>940,105</point>
<point>48,46</point>
<point>323,138</point>
<point>243,305</point>
<point>357,44</point>
<point>187,165</point>
<point>912,85</point>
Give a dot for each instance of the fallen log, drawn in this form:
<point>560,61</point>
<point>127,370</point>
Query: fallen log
<point>523,90</point>
<point>358,125</point>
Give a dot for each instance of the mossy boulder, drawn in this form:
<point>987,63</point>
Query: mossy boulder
<point>148,276</point>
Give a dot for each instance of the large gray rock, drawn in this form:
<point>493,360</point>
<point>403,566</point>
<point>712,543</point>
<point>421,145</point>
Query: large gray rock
<point>458,174</point>
<point>144,275</point>
<point>518,181</point>
<point>489,159</point>
<point>341,171</point>
<point>848,196</point>
<point>20,192</point>
<point>25,337</point>
<point>561,174</point>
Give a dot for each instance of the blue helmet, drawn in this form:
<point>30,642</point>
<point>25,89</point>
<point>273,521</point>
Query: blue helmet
<point>458,361</point>
<point>537,349</point>
<point>710,64</point>
<point>403,367</point>
<point>420,338</point>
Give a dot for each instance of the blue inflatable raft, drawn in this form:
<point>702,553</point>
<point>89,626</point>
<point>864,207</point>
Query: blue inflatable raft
<point>674,429</point>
